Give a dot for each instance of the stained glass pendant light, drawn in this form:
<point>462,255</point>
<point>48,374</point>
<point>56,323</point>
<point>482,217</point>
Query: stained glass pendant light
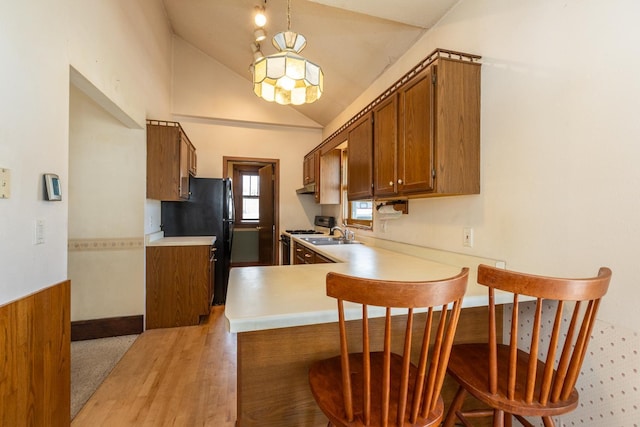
<point>286,77</point>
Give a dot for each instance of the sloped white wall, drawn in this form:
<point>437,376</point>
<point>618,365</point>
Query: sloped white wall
<point>222,117</point>
<point>203,87</point>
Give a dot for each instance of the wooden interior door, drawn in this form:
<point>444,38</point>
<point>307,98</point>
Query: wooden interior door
<point>266,228</point>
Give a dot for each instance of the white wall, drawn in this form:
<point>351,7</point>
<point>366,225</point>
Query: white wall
<point>560,191</point>
<point>560,95</point>
<point>124,49</point>
<point>288,145</point>
<point>205,88</point>
<point>106,212</point>
<point>34,83</point>
<point>222,117</point>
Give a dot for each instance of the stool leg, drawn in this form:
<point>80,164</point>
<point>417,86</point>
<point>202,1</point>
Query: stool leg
<point>498,418</point>
<point>455,406</point>
<point>508,420</point>
<point>548,422</point>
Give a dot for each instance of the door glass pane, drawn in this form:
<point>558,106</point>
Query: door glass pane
<point>250,208</point>
<point>250,185</point>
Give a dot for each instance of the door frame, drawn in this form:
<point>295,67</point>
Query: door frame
<point>226,170</point>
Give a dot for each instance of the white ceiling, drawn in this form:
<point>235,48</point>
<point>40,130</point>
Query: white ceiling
<point>353,41</point>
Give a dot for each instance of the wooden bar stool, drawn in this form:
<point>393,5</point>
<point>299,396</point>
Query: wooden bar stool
<point>380,388</point>
<point>508,379</point>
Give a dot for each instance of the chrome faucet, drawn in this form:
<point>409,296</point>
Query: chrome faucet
<point>348,234</point>
<point>332,229</point>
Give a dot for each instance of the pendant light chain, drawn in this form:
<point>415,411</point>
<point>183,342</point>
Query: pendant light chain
<point>288,15</point>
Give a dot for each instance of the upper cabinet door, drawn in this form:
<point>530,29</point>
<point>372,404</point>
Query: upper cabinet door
<point>385,147</point>
<point>416,140</point>
<point>184,167</point>
<point>360,159</point>
<point>457,132</point>
<point>309,168</point>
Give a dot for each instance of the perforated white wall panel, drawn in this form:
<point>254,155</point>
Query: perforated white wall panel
<point>609,383</point>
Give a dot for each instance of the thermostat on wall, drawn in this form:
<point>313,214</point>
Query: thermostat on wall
<point>52,187</point>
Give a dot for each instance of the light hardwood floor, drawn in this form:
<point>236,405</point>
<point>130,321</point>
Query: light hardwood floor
<point>170,377</point>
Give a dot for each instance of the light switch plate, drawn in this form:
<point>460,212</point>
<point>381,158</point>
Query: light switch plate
<point>467,237</point>
<point>5,183</point>
<point>39,232</point>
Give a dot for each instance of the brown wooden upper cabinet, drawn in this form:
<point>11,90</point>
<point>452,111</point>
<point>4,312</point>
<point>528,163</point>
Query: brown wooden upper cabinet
<point>171,158</point>
<point>310,167</point>
<point>360,159</point>
<point>323,170</point>
<point>328,178</point>
<point>427,135</point>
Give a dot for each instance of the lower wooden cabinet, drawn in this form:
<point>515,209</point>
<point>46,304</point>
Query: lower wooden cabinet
<point>179,285</point>
<point>305,255</point>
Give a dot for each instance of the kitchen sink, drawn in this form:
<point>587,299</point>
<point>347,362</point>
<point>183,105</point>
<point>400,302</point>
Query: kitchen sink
<point>321,241</point>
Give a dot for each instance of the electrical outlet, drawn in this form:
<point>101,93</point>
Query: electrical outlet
<point>467,237</point>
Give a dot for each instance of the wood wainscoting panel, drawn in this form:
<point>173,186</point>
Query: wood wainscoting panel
<point>35,369</point>
<point>273,388</point>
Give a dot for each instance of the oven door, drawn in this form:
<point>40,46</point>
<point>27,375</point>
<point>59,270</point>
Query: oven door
<point>285,243</point>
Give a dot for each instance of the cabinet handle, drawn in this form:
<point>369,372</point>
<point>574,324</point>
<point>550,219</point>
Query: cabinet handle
<point>391,183</point>
<point>400,181</point>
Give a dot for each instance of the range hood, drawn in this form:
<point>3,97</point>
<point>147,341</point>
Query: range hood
<point>307,189</point>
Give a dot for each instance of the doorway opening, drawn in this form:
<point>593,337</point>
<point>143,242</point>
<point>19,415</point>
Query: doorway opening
<point>256,186</point>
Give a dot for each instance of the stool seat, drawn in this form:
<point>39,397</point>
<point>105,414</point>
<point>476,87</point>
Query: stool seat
<point>469,366</point>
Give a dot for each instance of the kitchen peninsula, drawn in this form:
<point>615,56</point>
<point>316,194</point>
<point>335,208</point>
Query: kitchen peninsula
<point>284,321</point>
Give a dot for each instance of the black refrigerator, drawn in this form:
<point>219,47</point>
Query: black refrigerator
<point>208,212</point>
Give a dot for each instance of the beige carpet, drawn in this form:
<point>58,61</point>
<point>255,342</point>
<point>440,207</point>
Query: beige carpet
<point>91,362</point>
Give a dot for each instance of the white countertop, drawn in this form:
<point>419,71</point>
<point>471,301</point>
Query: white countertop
<point>158,239</point>
<point>260,298</point>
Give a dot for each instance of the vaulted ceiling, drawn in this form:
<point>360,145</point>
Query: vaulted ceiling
<point>354,41</point>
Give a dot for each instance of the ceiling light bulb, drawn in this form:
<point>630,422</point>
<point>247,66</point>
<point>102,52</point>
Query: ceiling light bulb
<point>260,18</point>
<point>259,34</point>
<point>286,83</point>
